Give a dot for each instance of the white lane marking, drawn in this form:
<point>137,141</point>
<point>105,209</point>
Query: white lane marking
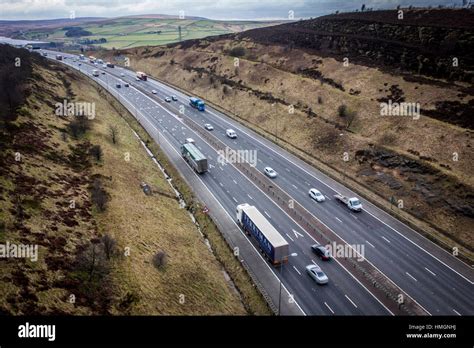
<point>250,196</point>
<point>329,308</point>
<point>431,272</point>
<point>297,234</point>
<point>234,199</point>
<point>355,217</point>
<point>287,170</point>
<point>338,219</point>
<point>370,244</point>
<point>386,239</point>
<point>267,214</point>
<point>221,184</point>
<point>351,301</point>
<point>235,182</point>
<point>294,186</point>
<point>314,262</point>
<point>412,277</point>
<point>327,198</point>
<point>455,311</point>
<point>289,237</point>
<point>296,269</point>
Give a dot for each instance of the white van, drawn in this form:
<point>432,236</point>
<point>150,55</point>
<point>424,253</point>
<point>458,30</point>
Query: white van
<point>231,133</point>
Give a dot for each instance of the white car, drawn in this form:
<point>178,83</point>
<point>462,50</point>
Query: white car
<point>174,98</point>
<point>154,91</point>
<point>209,127</point>
<point>317,274</point>
<point>316,195</point>
<point>190,141</point>
<point>270,172</point>
<point>231,133</point>
<point>122,74</point>
<point>168,99</point>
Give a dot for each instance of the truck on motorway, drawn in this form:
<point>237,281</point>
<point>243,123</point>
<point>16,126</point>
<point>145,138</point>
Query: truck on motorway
<point>271,242</point>
<point>110,65</point>
<point>91,59</point>
<point>352,203</point>
<point>81,57</point>
<point>95,73</point>
<point>142,76</point>
<point>59,57</point>
<point>197,104</point>
<point>194,157</point>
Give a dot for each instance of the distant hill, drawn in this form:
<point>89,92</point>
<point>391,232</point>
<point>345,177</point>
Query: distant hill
<point>125,32</point>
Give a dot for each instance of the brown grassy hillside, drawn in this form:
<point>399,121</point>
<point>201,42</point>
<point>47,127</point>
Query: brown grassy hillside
<point>85,210</point>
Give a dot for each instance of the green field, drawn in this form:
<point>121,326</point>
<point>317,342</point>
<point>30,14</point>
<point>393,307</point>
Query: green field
<point>133,32</point>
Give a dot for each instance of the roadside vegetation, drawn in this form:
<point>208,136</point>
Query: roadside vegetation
<point>106,245</point>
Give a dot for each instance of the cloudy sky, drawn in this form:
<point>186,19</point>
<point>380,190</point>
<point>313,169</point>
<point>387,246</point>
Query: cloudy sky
<point>216,9</point>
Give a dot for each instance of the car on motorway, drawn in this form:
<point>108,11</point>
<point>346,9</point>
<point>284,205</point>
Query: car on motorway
<point>103,72</point>
<point>137,79</point>
<point>190,141</point>
<point>317,274</point>
<point>316,195</point>
<point>79,64</point>
<point>168,99</point>
<point>122,74</point>
<point>104,66</point>
<point>231,133</point>
<point>118,85</point>
<point>209,127</point>
<point>321,251</point>
<point>174,98</point>
<point>154,91</point>
<point>126,85</point>
<point>270,172</point>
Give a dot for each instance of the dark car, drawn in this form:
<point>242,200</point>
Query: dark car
<point>321,252</point>
<point>118,85</point>
<point>126,85</point>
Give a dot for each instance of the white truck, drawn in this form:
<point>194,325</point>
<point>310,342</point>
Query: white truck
<point>270,241</point>
<point>95,73</point>
<point>353,203</point>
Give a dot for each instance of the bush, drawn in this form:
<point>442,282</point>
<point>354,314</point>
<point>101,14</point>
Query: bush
<point>78,126</point>
<point>159,260</point>
<point>342,110</point>
<point>237,51</point>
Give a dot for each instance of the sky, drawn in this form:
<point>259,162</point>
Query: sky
<point>214,9</point>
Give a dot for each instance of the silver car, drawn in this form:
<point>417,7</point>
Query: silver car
<point>316,195</point>
<point>317,274</point>
<point>270,172</point>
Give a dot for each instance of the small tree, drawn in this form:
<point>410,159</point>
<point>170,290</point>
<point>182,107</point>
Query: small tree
<point>110,246</point>
<point>113,133</point>
<point>320,100</point>
<point>98,195</point>
<point>96,152</point>
<point>362,8</point>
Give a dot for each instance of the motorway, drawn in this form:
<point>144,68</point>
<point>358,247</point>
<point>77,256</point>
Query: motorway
<point>436,280</point>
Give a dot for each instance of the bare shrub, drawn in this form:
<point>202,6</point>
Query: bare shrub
<point>110,246</point>
<point>96,152</point>
<point>159,260</point>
